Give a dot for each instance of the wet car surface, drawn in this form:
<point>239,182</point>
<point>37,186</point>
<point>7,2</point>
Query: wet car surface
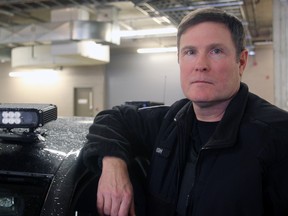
<point>44,177</point>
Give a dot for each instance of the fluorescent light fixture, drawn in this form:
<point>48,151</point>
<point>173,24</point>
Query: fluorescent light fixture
<point>148,32</point>
<point>157,50</point>
<point>161,20</point>
<point>37,75</point>
<point>33,73</point>
<point>251,52</point>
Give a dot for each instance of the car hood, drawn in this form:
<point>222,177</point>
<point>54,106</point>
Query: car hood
<point>63,138</point>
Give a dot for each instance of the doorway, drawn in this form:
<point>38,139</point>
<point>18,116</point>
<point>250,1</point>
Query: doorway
<point>83,101</point>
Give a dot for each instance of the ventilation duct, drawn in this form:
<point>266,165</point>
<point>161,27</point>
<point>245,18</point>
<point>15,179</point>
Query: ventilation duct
<point>57,32</point>
<point>65,54</point>
<point>69,39</point>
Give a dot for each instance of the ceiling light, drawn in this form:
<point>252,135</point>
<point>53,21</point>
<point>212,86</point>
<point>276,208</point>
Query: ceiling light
<point>37,75</point>
<point>157,50</point>
<point>161,20</point>
<point>148,32</point>
<point>251,53</point>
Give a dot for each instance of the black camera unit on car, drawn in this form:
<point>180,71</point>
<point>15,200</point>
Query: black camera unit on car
<point>19,121</point>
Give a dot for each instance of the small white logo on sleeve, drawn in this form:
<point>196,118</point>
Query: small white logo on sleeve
<point>159,150</point>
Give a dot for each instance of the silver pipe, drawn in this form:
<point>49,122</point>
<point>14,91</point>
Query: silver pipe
<point>227,4</point>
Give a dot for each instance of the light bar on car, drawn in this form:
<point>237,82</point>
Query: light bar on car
<point>26,115</point>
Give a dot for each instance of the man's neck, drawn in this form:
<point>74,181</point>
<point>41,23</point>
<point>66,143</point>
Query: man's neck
<point>210,112</point>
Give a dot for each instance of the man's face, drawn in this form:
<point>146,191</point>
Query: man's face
<point>210,71</point>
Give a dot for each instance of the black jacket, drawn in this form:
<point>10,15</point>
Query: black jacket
<point>242,170</point>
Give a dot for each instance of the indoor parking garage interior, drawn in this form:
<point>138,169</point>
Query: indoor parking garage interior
<point>65,61</point>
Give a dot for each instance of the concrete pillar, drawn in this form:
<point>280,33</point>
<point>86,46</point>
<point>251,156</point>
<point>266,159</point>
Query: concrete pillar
<point>280,41</point>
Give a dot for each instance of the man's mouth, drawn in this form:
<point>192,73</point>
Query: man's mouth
<point>200,82</point>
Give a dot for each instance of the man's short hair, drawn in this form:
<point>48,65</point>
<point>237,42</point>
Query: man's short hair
<point>233,24</point>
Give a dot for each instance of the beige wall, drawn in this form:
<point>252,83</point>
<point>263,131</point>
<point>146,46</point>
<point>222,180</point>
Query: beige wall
<point>259,73</point>
<point>126,81</point>
<point>142,77</point>
<point>59,92</point>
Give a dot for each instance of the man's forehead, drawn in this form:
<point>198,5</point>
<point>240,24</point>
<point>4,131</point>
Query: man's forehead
<point>211,33</point>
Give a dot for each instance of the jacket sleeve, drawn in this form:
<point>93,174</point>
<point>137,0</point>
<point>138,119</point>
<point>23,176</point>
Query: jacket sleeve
<point>124,132</point>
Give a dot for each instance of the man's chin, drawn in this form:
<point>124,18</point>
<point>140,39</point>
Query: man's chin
<point>203,104</point>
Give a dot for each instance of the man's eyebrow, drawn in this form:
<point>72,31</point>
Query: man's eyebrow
<point>187,47</point>
<point>209,46</point>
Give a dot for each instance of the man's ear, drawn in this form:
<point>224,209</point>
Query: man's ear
<point>243,61</point>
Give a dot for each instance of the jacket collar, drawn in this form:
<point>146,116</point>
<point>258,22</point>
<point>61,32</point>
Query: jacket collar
<point>227,129</point>
<point>225,134</point>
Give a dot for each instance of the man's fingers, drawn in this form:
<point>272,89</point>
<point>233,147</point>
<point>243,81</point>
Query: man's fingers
<point>115,192</point>
<point>132,209</point>
<point>100,204</point>
<point>114,207</point>
<point>107,206</point>
<point>116,202</point>
<point>125,207</point>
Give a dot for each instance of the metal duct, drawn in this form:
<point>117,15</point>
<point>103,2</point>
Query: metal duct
<point>55,32</point>
<point>70,39</point>
<point>63,54</point>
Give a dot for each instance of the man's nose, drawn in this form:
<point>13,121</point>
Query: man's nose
<point>201,63</point>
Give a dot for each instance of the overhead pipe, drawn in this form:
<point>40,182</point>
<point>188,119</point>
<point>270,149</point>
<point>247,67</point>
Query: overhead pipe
<point>226,4</point>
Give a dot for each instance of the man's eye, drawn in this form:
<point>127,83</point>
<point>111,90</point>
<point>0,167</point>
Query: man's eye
<point>216,51</point>
<point>189,52</point>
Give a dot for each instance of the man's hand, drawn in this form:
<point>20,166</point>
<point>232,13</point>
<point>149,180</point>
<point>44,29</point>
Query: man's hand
<point>115,192</point>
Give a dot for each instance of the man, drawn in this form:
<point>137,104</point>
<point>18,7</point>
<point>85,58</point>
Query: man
<point>223,151</point>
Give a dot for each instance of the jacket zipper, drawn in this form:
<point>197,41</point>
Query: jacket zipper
<point>181,156</point>
<point>182,161</point>
<point>189,204</point>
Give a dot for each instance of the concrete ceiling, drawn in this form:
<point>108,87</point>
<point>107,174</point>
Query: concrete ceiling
<point>141,14</point>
